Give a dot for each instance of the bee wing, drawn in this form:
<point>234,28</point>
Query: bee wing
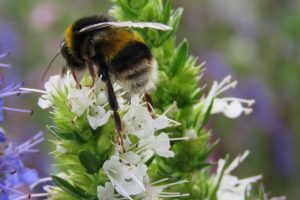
<point>154,25</point>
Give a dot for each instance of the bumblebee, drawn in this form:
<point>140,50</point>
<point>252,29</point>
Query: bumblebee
<point>117,52</point>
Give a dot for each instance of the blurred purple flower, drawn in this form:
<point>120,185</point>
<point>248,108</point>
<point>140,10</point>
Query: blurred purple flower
<point>13,172</point>
<point>3,64</point>
<point>10,90</point>
<point>2,136</point>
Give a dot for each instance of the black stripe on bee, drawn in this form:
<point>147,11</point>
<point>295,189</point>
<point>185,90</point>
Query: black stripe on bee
<point>130,56</point>
<point>137,73</point>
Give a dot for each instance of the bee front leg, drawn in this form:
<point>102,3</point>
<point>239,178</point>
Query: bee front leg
<point>91,71</point>
<point>87,52</point>
<point>114,105</point>
<point>63,71</point>
<point>73,72</point>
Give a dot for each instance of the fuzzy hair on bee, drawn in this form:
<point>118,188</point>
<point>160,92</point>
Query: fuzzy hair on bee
<point>118,53</point>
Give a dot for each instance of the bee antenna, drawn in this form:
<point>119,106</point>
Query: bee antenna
<point>48,67</point>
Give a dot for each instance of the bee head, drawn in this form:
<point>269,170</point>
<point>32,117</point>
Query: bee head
<point>64,49</point>
<point>71,60</point>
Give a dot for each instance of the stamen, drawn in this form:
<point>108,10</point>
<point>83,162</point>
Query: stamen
<point>7,88</point>
<point>42,180</point>
<point>5,65</point>
<point>174,104</point>
<point>12,93</point>
<point>227,79</point>
<point>249,102</point>
<point>32,195</point>
<point>33,90</point>
<point>38,135</point>
<point>3,55</point>
<point>31,151</point>
<point>173,196</point>
<point>230,85</point>
<point>18,110</point>
<point>179,138</point>
<point>11,189</point>
<point>176,183</point>
<point>161,180</point>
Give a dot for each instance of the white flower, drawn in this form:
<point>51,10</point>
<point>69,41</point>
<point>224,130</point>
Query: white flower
<point>126,173</point>
<point>81,100</point>
<point>100,91</point>
<point>106,192</point>
<point>230,186</point>
<point>156,192</point>
<point>231,107</point>
<point>139,122</point>
<point>53,85</point>
<point>155,144</point>
<point>97,116</point>
<point>45,102</point>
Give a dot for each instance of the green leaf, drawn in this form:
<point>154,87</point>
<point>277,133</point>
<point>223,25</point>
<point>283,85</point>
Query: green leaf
<point>261,192</point>
<point>89,161</point>
<point>180,57</point>
<point>78,138</point>
<point>167,12</point>
<point>174,22</point>
<point>207,114</point>
<point>130,12</point>
<point>58,134</point>
<point>76,191</point>
<point>216,187</point>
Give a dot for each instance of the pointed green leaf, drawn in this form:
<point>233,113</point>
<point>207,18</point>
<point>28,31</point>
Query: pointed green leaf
<point>89,161</point>
<point>180,57</point>
<point>58,134</point>
<point>126,8</point>
<point>261,192</point>
<point>167,12</point>
<point>207,114</point>
<point>69,188</point>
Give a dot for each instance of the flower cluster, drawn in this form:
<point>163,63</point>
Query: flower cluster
<point>143,138</point>
<point>86,100</point>
<point>127,169</point>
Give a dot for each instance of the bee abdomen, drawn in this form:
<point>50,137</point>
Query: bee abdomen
<point>135,68</point>
<point>142,77</point>
<point>127,58</point>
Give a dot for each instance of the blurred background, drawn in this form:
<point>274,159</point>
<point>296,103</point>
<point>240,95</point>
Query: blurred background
<point>257,42</point>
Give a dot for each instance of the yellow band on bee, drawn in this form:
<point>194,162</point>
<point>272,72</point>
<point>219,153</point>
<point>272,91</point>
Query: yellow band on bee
<point>68,35</point>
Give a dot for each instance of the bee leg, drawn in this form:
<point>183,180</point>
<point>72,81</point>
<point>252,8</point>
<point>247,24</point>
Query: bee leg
<point>114,106</point>
<point>91,71</point>
<point>75,77</point>
<point>63,71</point>
<point>148,100</point>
